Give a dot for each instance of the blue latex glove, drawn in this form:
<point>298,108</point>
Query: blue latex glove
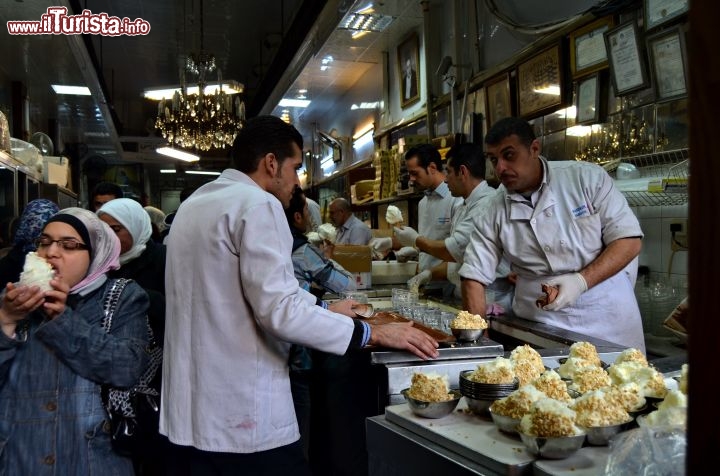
<point>570,287</point>
<point>406,235</point>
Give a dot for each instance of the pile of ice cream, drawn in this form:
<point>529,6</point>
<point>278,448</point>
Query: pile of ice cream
<point>496,371</point>
<point>550,418</point>
<point>393,215</point>
<point>36,272</point>
<point>598,408</point>
<point>465,320</point>
<point>429,387</point>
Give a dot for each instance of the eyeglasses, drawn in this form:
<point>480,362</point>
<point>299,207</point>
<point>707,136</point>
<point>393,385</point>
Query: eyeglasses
<point>64,243</point>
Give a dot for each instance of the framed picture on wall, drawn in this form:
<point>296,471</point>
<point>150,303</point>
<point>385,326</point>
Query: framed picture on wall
<point>658,12</point>
<point>588,100</point>
<point>588,52</point>
<point>498,100</point>
<point>668,61</point>
<point>408,54</point>
<point>540,84</point>
<point>627,65</point>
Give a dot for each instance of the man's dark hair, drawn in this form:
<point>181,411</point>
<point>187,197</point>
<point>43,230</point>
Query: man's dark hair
<point>107,188</point>
<point>297,205</point>
<point>263,135</point>
<point>426,154</point>
<point>470,155</point>
<point>508,126</point>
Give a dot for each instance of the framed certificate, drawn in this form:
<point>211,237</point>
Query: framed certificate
<point>588,100</point>
<point>668,61</point>
<point>540,84</point>
<point>497,95</point>
<point>658,12</point>
<point>588,52</point>
<point>627,65</point>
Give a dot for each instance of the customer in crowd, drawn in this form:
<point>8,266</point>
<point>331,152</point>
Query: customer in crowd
<point>141,259</point>
<point>103,193</point>
<point>236,307</point>
<point>562,223</point>
<point>350,230</point>
<point>55,354</point>
<point>30,224</point>
<point>157,220</point>
<point>319,275</point>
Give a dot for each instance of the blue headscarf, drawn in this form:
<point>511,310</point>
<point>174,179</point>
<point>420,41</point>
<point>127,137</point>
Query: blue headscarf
<point>32,222</point>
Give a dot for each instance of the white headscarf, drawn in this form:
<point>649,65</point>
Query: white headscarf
<point>104,246</point>
<point>135,219</point>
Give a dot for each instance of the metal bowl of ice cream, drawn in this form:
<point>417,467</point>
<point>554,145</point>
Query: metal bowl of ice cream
<point>466,335</point>
<point>552,447</point>
<point>432,409</point>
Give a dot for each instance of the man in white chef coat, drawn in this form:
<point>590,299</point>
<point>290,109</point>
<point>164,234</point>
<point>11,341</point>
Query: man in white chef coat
<point>562,223</point>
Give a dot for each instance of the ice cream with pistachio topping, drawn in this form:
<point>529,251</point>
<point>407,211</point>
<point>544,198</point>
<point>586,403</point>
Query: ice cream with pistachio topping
<point>36,272</point>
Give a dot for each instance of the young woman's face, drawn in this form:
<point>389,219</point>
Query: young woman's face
<point>70,266</point>
<point>123,234</point>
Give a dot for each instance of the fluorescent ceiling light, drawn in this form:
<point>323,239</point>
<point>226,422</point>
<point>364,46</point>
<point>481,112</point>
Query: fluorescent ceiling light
<point>72,90</point>
<point>366,22</point>
<point>551,89</point>
<point>167,171</point>
<point>228,87</point>
<point>177,154</point>
<point>201,172</point>
<point>287,102</point>
<point>366,105</point>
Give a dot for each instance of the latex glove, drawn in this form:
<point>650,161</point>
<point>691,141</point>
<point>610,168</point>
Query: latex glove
<point>406,235</point>
<point>382,245</point>
<point>405,254</point>
<point>418,280</point>
<point>570,287</point>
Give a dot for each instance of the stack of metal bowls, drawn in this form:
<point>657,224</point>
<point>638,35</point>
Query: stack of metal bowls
<point>479,396</point>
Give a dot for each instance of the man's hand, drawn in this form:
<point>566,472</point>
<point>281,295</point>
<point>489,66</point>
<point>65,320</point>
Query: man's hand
<point>381,245</point>
<point>402,335</point>
<point>418,280</point>
<point>405,254</point>
<point>344,307</point>
<point>571,286</point>
<point>406,235</point>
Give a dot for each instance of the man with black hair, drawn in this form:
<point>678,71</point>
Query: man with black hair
<point>103,193</point>
<point>233,308</point>
<point>559,223</point>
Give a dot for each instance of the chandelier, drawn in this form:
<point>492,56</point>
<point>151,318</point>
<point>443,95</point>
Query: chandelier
<point>210,118</point>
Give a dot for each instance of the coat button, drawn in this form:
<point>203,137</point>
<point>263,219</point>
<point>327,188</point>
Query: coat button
<point>547,248</point>
<point>532,221</point>
<point>51,406</point>
<point>548,213</point>
<point>49,460</point>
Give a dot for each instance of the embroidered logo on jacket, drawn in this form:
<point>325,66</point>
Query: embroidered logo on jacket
<point>581,211</point>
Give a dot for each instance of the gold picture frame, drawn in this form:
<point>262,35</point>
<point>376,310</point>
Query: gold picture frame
<point>588,52</point>
<point>498,102</point>
<point>540,83</point>
<point>626,58</point>
<point>408,57</point>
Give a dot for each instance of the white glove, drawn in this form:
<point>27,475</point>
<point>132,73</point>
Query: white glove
<point>405,254</point>
<point>418,280</point>
<point>381,245</point>
<point>570,287</point>
<point>406,235</point>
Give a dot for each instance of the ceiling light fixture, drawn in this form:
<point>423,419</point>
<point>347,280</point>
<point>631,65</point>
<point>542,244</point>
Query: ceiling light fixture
<point>71,90</point>
<point>200,121</point>
<point>167,171</point>
<point>201,172</point>
<point>177,154</point>
<point>288,102</point>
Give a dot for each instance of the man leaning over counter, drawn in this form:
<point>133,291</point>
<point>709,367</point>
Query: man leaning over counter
<point>562,223</point>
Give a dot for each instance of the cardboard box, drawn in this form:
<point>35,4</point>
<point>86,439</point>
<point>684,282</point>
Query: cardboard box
<point>55,170</point>
<point>358,260</point>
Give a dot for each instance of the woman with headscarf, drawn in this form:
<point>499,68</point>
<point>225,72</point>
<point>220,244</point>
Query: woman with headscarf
<point>55,354</point>
<point>32,220</point>
<point>141,259</point>
<point>157,220</point>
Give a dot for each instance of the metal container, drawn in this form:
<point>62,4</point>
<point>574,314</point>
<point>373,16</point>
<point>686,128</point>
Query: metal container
<point>432,409</point>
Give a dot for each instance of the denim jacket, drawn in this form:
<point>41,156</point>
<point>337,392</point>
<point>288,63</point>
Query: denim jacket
<point>52,421</point>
